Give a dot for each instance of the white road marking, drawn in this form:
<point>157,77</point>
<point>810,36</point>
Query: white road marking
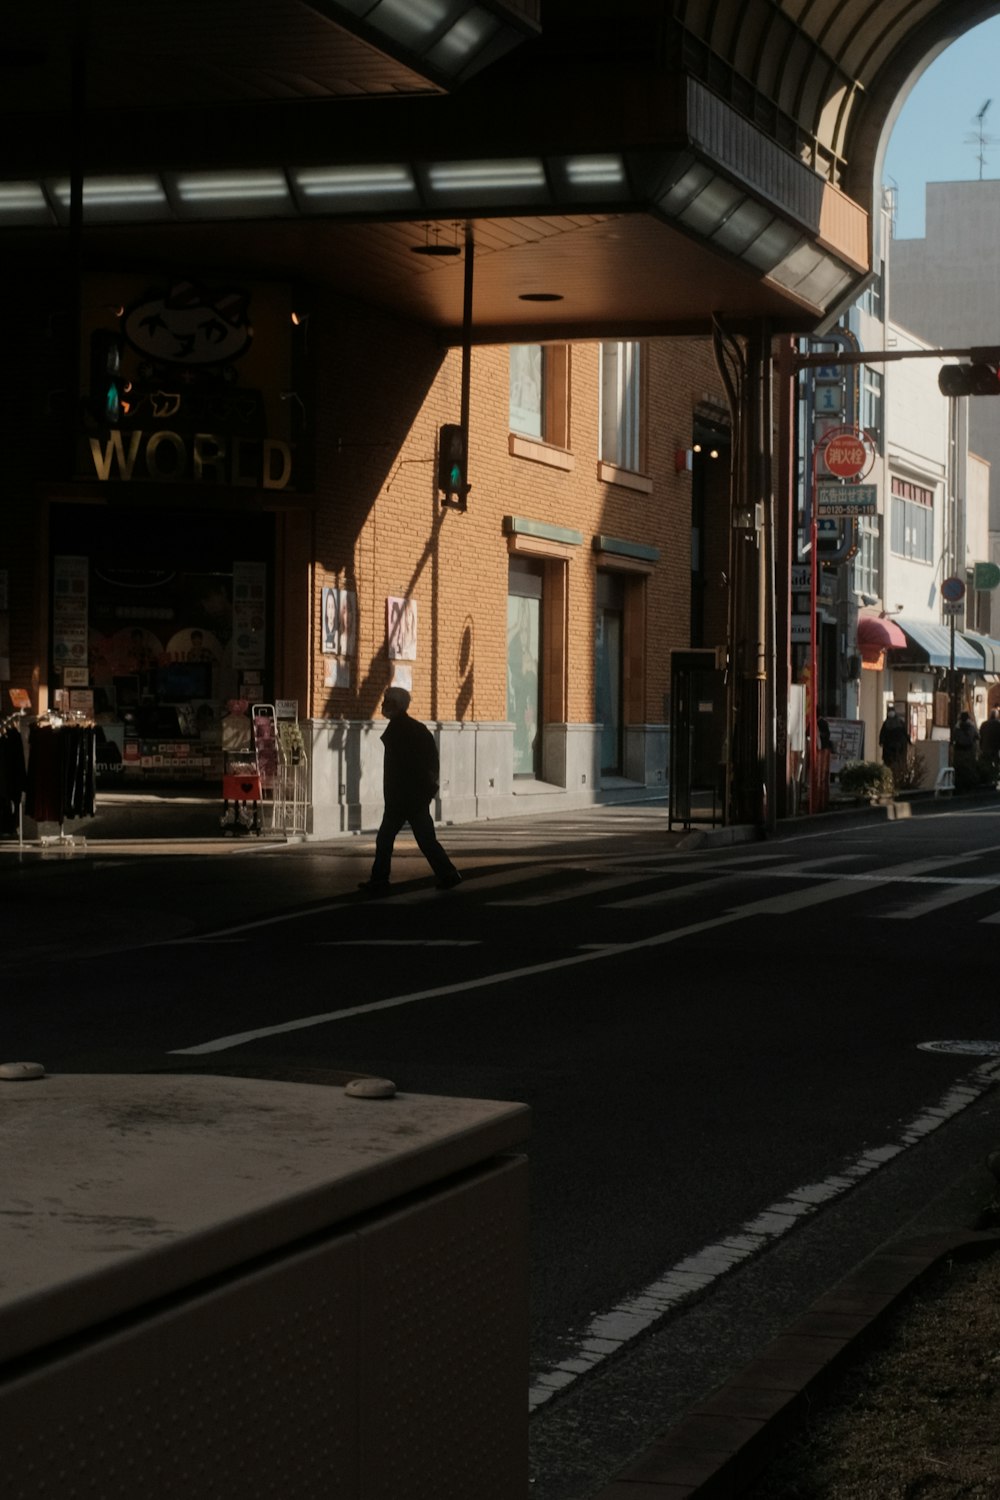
<point>486,981</point>
<point>610,1330</point>
<point>382,942</point>
<point>286,916</point>
<point>826,890</point>
<point>587,888</point>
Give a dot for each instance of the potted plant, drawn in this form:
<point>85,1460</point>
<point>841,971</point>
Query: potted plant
<point>867,780</point>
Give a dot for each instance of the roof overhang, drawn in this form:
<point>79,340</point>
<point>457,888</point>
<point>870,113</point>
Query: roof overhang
<point>676,197</point>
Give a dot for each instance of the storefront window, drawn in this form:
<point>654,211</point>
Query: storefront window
<point>153,647</point>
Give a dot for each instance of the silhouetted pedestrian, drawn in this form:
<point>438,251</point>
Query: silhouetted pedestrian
<point>964,748</point>
<point>894,739</point>
<point>989,741</point>
<point>409,781</point>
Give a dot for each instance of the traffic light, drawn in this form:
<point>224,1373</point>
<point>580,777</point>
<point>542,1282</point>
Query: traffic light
<point>452,469</point>
<point>979,378</point>
<point>109,390</point>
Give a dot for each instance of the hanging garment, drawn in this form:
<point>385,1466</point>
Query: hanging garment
<point>61,772</point>
<point>13,777</point>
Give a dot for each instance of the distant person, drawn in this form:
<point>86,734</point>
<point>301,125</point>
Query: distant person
<point>964,750</point>
<point>894,739</point>
<point>823,733</point>
<point>989,741</point>
<point>409,781</point>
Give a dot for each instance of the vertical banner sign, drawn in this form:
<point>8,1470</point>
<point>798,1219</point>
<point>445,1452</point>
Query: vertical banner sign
<point>70,579</point>
<point>249,614</point>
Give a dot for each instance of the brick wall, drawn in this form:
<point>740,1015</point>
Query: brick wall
<point>383,388</point>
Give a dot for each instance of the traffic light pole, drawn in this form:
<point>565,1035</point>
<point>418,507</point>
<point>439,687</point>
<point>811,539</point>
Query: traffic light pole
<point>467,348</point>
<point>982,354</point>
<point>453,439</point>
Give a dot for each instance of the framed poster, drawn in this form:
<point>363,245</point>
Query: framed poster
<point>339,622</point>
<point>401,628</point>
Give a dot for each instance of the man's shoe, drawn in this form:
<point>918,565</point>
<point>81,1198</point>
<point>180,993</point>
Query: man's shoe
<point>448,882</point>
<point>373,887</point>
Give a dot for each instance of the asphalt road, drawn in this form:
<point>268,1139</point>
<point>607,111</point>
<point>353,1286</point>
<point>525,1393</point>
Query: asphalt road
<point>724,1048</point>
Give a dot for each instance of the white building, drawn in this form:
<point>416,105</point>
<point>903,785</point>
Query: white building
<point>946,288</point>
<point>903,645</point>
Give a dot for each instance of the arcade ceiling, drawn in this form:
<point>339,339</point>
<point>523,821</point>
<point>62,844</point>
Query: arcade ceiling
<point>623,167</point>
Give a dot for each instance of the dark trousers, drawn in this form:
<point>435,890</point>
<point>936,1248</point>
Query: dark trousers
<point>418,815</point>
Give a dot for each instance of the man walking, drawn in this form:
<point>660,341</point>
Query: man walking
<point>409,781</point>
<point>894,740</point>
<point>989,741</point>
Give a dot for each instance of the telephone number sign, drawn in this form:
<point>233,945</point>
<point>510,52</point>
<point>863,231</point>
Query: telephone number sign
<point>846,499</point>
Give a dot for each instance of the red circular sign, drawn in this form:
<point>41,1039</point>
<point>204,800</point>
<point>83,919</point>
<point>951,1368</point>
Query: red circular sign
<point>845,455</point>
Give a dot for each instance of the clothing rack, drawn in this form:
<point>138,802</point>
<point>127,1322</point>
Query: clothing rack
<point>13,773</point>
<point>59,772</point>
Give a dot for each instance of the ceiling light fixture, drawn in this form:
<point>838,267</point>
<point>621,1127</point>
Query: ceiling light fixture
<point>435,246</point>
<point>540,297</point>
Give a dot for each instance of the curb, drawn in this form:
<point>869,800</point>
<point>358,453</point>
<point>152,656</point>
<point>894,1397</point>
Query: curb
<point>726,1441</point>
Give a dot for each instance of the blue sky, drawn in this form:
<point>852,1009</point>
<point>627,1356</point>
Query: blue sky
<point>930,140</point>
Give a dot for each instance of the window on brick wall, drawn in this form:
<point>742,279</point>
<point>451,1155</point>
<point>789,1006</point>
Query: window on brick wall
<point>539,392</point>
<point>621,405</point>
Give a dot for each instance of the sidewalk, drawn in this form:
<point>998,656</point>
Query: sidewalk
<point>725,1444</point>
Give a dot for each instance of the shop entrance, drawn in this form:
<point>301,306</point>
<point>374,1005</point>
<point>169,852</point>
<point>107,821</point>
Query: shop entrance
<point>160,618</point>
<point>608,669</point>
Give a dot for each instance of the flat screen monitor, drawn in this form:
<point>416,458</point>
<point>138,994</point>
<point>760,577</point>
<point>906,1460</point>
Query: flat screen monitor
<point>180,681</point>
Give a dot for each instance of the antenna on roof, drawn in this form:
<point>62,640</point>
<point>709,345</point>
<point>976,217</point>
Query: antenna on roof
<point>980,138</point>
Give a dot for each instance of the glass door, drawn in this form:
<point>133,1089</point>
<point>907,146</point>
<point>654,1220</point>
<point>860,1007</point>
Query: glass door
<point>608,638</point>
<point>524,634</point>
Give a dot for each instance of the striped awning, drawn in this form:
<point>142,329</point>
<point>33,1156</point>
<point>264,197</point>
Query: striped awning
<point>987,648</point>
<point>935,641</point>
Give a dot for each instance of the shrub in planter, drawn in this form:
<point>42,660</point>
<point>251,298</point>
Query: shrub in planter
<point>866,778</point>
<point>911,773</point>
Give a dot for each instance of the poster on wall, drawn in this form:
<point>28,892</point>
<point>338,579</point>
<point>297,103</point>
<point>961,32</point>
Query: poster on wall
<point>70,578</point>
<point>401,628</point>
<point>339,622</point>
<point>249,614</point>
<point>847,742</point>
<point>336,673</point>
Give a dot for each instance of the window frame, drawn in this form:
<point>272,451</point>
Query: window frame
<point>622,425</point>
<point>553,412</point>
<point>911,520</point>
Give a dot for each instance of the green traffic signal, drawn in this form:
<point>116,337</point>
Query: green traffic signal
<point>452,468</point>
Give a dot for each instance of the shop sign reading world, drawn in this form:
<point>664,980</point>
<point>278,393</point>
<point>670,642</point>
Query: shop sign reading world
<point>182,387</point>
<point>204,457</point>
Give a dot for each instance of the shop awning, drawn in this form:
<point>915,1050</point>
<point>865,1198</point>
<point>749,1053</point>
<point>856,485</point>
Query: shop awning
<point>935,640</point>
<point>878,633</point>
<point>987,648</point>
<point>875,637</point>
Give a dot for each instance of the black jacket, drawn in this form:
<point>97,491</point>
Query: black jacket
<point>410,765</point>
